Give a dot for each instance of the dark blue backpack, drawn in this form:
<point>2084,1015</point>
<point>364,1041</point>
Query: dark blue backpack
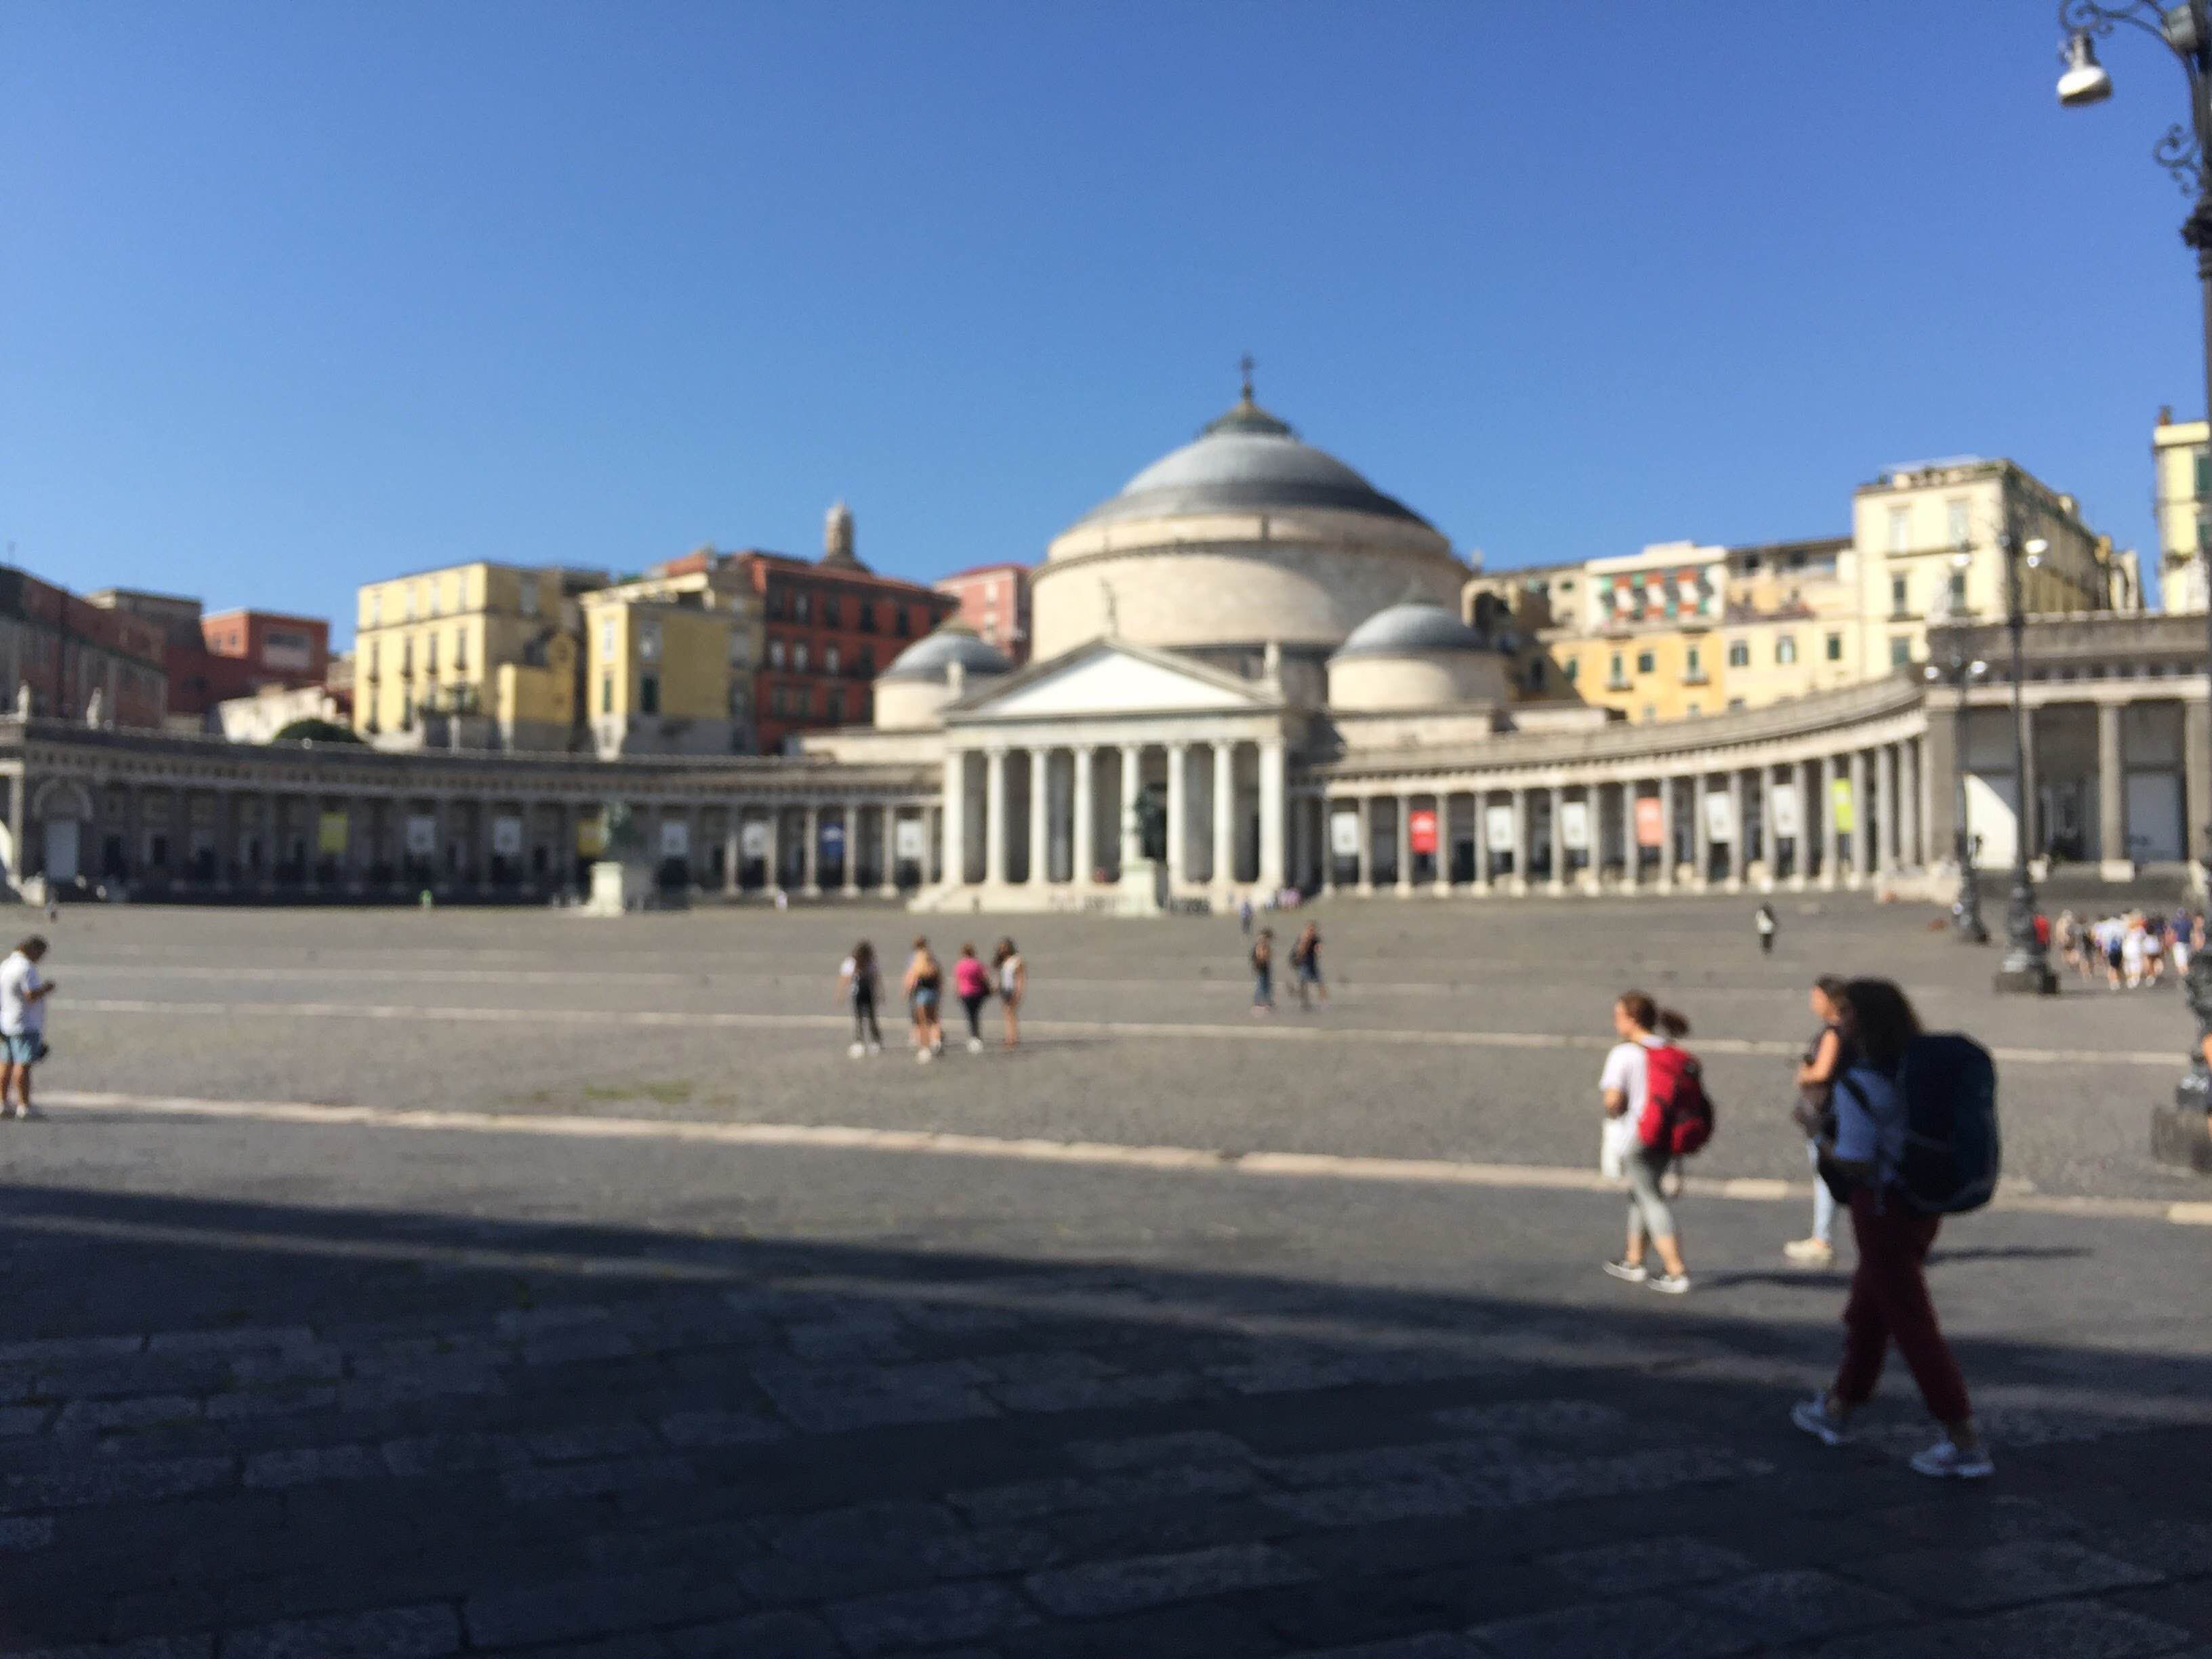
<point>1949,1086</point>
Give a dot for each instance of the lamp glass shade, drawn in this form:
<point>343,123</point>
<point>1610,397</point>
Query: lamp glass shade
<point>2085,81</point>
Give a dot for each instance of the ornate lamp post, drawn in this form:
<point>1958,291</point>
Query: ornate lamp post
<point>2182,1134</point>
<point>1956,669</point>
<point>2027,965</point>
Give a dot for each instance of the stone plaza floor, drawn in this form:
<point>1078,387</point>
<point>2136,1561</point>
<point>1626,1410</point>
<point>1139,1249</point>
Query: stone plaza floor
<point>393,1283</point>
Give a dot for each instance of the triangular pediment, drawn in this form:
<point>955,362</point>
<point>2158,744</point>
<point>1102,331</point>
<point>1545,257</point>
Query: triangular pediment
<point>1107,677</point>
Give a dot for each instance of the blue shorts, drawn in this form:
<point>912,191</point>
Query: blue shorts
<point>926,998</point>
<point>24,1049</point>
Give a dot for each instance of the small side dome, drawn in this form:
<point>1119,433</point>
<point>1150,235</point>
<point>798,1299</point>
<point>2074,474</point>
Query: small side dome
<point>1411,628</point>
<point>932,657</point>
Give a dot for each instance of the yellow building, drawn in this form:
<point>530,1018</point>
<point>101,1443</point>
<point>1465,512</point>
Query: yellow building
<point>669,666</point>
<point>1792,623</point>
<point>476,655</point>
<point>1644,642</point>
<point>2184,470</point>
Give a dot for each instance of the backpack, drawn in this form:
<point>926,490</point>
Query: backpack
<point>1678,1116</point>
<point>1949,1086</point>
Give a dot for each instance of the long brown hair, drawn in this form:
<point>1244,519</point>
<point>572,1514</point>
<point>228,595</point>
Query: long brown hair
<point>1649,1015</point>
<point>1883,1020</point>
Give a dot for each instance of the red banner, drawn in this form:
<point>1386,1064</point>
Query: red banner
<point>1421,830</point>
<point>1650,822</point>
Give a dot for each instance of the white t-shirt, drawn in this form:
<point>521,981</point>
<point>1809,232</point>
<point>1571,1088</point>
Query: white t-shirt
<point>1627,1069</point>
<point>19,1015</point>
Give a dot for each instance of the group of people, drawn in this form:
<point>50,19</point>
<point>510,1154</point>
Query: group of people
<point>2129,949</point>
<point>1851,1109</point>
<point>859,984</point>
<point>1305,962</point>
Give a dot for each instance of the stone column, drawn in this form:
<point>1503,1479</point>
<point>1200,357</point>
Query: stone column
<point>1404,882</point>
<point>850,887</point>
<point>1082,862</point>
<point>442,820</point>
<point>887,819</point>
<point>1769,844</point>
<point>1366,816</point>
<point>1225,815</point>
<point>1862,820</point>
<point>952,809</point>
<point>2111,795</point>
<point>1701,834</point>
<point>810,853</point>
<point>733,845</point>
<point>1559,878</point>
<point>1132,785</point>
<point>1482,841</point>
<point>1273,780</point>
<point>1040,816</point>
<point>994,817</point>
<point>773,874</point>
<point>1736,837</point>
<point>1801,852</point>
<point>1178,814</point>
<point>1517,809</point>
<point>1831,851</point>
<point>1440,885</point>
<point>1893,796</point>
<point>1667,835</point>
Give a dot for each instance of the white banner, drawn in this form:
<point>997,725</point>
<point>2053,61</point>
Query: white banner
<point>832,840</point>
<point>1344,834</point>
<point>1785,811</point>
<point>1574,825</point>
<point>675,839</point>
<point>753,839</point>
<point>1720,817</point>
<point>506,837</point>
<point>911,840</point>
<point>1497,827</point>
<point>422,837</point>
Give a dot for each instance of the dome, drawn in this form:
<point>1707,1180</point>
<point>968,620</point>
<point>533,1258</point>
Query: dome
<point>1409,628</point>
<point>1247,460</point>
<point>931,656</point>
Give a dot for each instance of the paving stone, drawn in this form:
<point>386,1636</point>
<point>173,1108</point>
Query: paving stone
<point>95,1416</point>
<point>578,1441</point>
<point>1797,1606</point>
<point>764,1636</point>
<point>312,1463</point>
<point>2176,1546</point>
<point>831,1400</point>
<point>1197,1630</point>
<point>1100,1392</point>
<point>241,1404</point>
<point>91,1480</point>
<point>45,1350</point>
<point>720,1428</point>
<point>1569,1419</point>
<point>1639,1628</point>
<point>145,1647</point>
<point>1435,1644</point>
<point>418,1633</point>
<point>2025,1570</point>
<point>591,1479</point>
<point>2050,1630</point>
<point>232,1339</point>
<point>594,1605</point>
<point>1099,1589</point>
<point>22,1419</point>
<point>1144,1450</point>
<point>928,1618</point>
<point>26,1533</point>
<point>1647,1564</point>
<point>1028,1500</point>
<point>454,1452</point>
<point>1374,1505</point>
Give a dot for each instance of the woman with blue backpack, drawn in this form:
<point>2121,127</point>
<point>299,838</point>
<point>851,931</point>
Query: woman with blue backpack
<point>1901,1081</point>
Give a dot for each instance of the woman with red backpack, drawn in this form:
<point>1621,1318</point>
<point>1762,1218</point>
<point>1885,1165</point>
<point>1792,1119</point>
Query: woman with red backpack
<point>1625,1089</point>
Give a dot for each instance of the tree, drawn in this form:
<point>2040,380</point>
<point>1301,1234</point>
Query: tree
<point>314,730</point>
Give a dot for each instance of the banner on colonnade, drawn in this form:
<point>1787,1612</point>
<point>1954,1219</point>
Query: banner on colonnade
<point>1720,818</point>
<point>331,834</point>
<point>1574,825</point>
<point>1650,822</point>
<point>506,837</point>
<point>911,839</point>
<point>1840,803</point>
<point>1785,810</point>
<point>1497,827</point>
<point>1344,834</point>
<point>1421,830</point>
<point>753,839</point>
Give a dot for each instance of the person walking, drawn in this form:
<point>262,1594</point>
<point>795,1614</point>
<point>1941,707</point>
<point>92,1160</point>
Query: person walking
<point>1244,915</point>
<point>861,984</point>
<point>2135,943</point>
<point>1012,975</point>
<point>971,983</point>
<point>1827,1056</point>
<point>1763,921</point>
<point>1889,1300</point>
<point>1624,1088</point>
<point>23,993</point>
<point>925,988</point>
<point>2069,941</point>
<point>1305,959</point>
<point>1263,973</point>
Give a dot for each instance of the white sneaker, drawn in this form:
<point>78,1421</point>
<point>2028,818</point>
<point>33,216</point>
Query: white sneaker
<point>1810,1252</point>
<point>856,1050</point>
<point>1635,1273</point>
<point>875,1047</point>
<point>974,1045</point>
<point>1816,1419</point>
<point>1670,1284</point>
<point>1945,1462</point>
<point>921,1056</point>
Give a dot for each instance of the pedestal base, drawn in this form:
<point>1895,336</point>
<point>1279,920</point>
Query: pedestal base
<point>618,888</point>
<point>2181,1137</point>
<point>2026,981</point>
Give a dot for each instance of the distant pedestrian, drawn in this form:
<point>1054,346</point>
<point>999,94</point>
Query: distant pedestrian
<point>925,989</point>
<point>23,993</point>
<point>1623,1089</point>
<point>971,983</point>
<point>861,984</point>
<point>1827,1056</point>
<point>1263,973</point>
<point>1244,915</point>
<point>2070,940</point>
<point>1763,922</point>
<point>1012,975</point>
<point>1305,959</point>
<point>1889,1300</point>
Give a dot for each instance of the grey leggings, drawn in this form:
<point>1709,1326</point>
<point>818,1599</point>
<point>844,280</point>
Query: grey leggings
<point>1647,1209</point>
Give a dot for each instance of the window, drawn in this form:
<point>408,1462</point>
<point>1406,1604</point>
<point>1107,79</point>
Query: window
<point>1645,662</point>
<point>1692,663</point>
<point>1900,651</point>
<point>1958,590</point>
<point>376,607</point>
<point>1572,669</point>
<point>430,655</point>
<point>1835,647</point>
<point>648,694</point>
<point>799,657</point>
<point>1734,703</point>
<point>607,638</point>
<point>1536,675</point>
<point>1956,531</point>
<point>775,654</point>
<point>899,620</point>
<point>1619,675</point>
<point>648,642</point>
<point>606,694</point>
<point>830,610</point>
<point>437,609</point>
<point>1897,594</point>
<point>372,659</point>
<point>864,664</point>
<point>2203,476</point>
<point>1739,653</point>
<point>737,649</point>
<point>1650,713</point>
<point>799,604</point>
<point>1900,528</point>
<point>829,657</point>
<point>1785,649</point>
<point>837,708</point>
<point>529,595</point>
<point>867,615</point>
<point>460,651</point>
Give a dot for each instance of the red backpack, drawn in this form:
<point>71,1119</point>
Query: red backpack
<point>1678,1118</point>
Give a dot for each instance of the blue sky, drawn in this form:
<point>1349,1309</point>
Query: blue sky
<point>298,295</point>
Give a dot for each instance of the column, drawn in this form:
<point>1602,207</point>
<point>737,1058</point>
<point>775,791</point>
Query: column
<point>1366,816</point>
<point>1701,833</point>
<point>1862,820</point>
<point>1893,813</point>
<point>2111,795</point>
<point>441,820</point>
<point>952,808</point>
<point>1801,855</point>
<point>1482,869</point>
<point>1133,784</point>
<point>1224,814</point>
<point>1667,835</point>
<point>810,853</point>
<point>1517,804</point>
<point>561,869</point>
<point>850,887</point>
<point>733,845</point>
<point>1558,882</point>
<point>1040,816</point>
<point>1736,837</point>
<point>1178,813</point>
<point>1273,779</point>
<point>1328,846</point>
<point>1082,862</point>
<point>1405,882</point>
<point>772,876</point>
<point>1440,885</point>
<point>1832,848</point>
<point>994,817</point>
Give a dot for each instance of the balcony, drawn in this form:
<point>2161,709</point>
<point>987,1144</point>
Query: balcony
<point>1696,676</point>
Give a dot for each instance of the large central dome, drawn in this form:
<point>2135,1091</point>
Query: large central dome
<point>1245,537</point>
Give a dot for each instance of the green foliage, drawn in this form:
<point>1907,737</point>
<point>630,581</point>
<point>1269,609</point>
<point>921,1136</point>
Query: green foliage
<point>315,730</point>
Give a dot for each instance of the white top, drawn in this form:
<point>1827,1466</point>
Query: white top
<point>1627,1069</point>
<point>1007,970</point>
<point>19,1015</point>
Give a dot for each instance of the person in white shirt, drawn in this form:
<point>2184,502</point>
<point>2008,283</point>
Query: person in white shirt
<point>23,993</point>
<point>1641,1026</point>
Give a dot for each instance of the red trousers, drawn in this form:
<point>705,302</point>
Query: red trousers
<point>1889,1304</point>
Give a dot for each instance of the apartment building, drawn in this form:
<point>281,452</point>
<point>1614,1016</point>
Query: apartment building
<point>993,599</point>
<point>2181,463</point>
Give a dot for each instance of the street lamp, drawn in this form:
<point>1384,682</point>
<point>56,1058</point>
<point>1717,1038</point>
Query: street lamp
<point>1956,669</point>
<point>2027,965</point>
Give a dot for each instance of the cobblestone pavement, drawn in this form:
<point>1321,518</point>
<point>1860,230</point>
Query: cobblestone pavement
<point>312,1388</point>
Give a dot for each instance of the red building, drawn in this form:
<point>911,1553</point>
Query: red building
<point>232,653</point>
<point>993,599</point>
<point>65,649</point>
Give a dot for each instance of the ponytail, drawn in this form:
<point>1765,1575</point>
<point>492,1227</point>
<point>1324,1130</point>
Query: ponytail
<point>1649,1015</point>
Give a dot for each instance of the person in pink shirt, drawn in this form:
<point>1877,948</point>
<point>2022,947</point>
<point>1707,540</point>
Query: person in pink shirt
<point>971,983</point>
